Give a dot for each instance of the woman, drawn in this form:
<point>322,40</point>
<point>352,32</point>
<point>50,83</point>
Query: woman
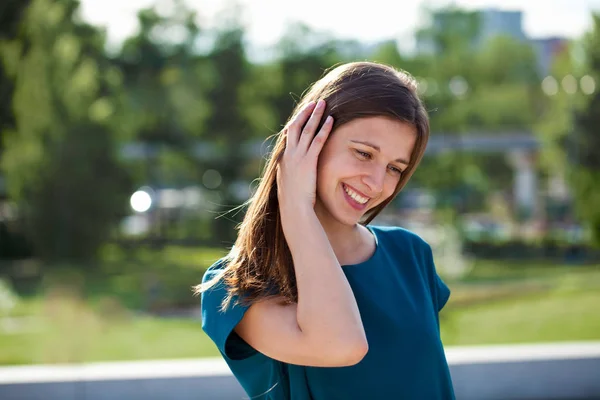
<point>311,302</point>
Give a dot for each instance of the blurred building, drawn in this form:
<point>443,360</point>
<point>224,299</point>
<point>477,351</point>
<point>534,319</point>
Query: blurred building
<point>479,26</point>
<point>498,22</point>
<point>471,27</point>
<point>547,49</point>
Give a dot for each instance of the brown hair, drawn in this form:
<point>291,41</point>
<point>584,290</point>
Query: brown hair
<point>260,263</point>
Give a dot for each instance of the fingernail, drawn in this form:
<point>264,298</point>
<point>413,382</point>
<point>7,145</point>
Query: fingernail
<point>329,120</point>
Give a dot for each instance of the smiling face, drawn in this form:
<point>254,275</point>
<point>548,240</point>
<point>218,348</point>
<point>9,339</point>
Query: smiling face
<point>360,167</point>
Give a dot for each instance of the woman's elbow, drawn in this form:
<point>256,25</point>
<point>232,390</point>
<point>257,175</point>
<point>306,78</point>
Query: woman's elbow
<point>359,351</point>
<point>351,353</point>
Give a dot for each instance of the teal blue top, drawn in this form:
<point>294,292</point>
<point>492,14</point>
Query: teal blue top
<point>399,295</point>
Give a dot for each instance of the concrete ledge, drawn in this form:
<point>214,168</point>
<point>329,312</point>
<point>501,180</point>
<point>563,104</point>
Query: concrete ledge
<point>565,371</point>
<point>561,371</point>
<point>114,371</point>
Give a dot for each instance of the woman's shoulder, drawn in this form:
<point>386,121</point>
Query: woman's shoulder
<point>216,269</point>
<point>399,234</point>
<point>214,290</point>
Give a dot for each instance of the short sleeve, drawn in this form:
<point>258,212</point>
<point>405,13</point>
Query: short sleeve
<point>440,291</point>
<point>218,324</point>
<point>443,292</point>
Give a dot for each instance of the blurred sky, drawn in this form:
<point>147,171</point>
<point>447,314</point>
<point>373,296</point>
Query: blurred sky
<point>368,21</point>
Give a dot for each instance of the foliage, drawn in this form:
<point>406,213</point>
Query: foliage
<point>472,86</point>
<point>179,101</point>
<point>59,159</point>
<point>11,12</point>
<point>586,142</point>
<point>227,124</point>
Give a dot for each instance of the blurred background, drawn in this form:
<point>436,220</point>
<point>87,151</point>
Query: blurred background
<point>131,131</point>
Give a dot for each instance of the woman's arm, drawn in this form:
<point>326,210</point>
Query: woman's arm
<point>324,328</point>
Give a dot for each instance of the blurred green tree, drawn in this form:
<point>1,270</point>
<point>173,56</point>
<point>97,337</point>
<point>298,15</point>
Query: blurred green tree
<point>166,76</point>
<point>60,159</point>
<point>11,12</point>
<point>163,78</point>
<point>388,53</point>
<point>471,86</point>
<point>584,142</point>
<point>12,243</point>
<point>228,126</point>
<point>554,125</point>
<point>303,55</point>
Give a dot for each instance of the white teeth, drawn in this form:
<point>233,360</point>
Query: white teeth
<point>359,199</point>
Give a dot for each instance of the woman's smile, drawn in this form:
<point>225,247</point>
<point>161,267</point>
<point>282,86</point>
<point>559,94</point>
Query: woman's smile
<point>354,198</point>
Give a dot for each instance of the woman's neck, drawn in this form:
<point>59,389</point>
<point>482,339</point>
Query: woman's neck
<point>351,244</point>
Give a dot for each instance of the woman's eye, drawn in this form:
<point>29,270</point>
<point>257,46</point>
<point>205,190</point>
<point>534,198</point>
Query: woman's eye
<point>367,156</point>
<point>396,170</point>
<point>363,154</point>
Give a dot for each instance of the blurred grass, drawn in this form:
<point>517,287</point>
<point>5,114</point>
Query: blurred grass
<point>497,302</point>
<point>151,279</point>
<point>509,271</point>
<point>541,317</point>
<point>192,257</point>
<point>89,338</point>
<point>522,302</point>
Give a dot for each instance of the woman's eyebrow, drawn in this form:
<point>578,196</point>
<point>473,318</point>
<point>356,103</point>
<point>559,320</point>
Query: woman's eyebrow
<point>374,146</point>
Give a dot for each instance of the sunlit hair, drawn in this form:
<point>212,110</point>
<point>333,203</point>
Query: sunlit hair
<point>260,263</point>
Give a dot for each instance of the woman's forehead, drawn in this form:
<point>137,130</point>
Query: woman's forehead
<point>381,132</point>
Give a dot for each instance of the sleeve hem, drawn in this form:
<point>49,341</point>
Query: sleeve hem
<point>445,296</point>
<point>233,346</point>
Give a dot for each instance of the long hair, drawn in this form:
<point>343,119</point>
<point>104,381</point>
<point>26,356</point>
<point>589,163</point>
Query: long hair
<point>260,263</point>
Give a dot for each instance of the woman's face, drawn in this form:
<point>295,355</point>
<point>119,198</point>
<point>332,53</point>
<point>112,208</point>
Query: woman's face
<point>360,166</point>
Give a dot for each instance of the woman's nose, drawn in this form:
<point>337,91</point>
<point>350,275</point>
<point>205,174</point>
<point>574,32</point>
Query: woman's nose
<point>374,180</point>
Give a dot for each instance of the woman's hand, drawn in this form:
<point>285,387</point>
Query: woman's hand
<point>323,328</point>
<point>297,170</point>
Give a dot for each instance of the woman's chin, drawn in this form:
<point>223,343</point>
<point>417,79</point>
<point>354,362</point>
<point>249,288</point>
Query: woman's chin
<point>349,219</point>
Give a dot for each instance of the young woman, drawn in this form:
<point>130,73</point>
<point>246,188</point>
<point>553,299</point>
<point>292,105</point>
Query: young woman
<point>312,302</point>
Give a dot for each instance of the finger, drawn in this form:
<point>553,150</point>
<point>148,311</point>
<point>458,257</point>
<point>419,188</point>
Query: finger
<point>295,127</point>
<point>308,133</point>
<point>317,144</point>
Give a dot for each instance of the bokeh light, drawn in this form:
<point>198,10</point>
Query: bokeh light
<point>422,86</point>
<point>458,86</point>
<point>569,84</point>
<point>211,179</point>
<point>141,201</point>
<point>588,85</point>
<point>170,198</point>
<point>550,86</point>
